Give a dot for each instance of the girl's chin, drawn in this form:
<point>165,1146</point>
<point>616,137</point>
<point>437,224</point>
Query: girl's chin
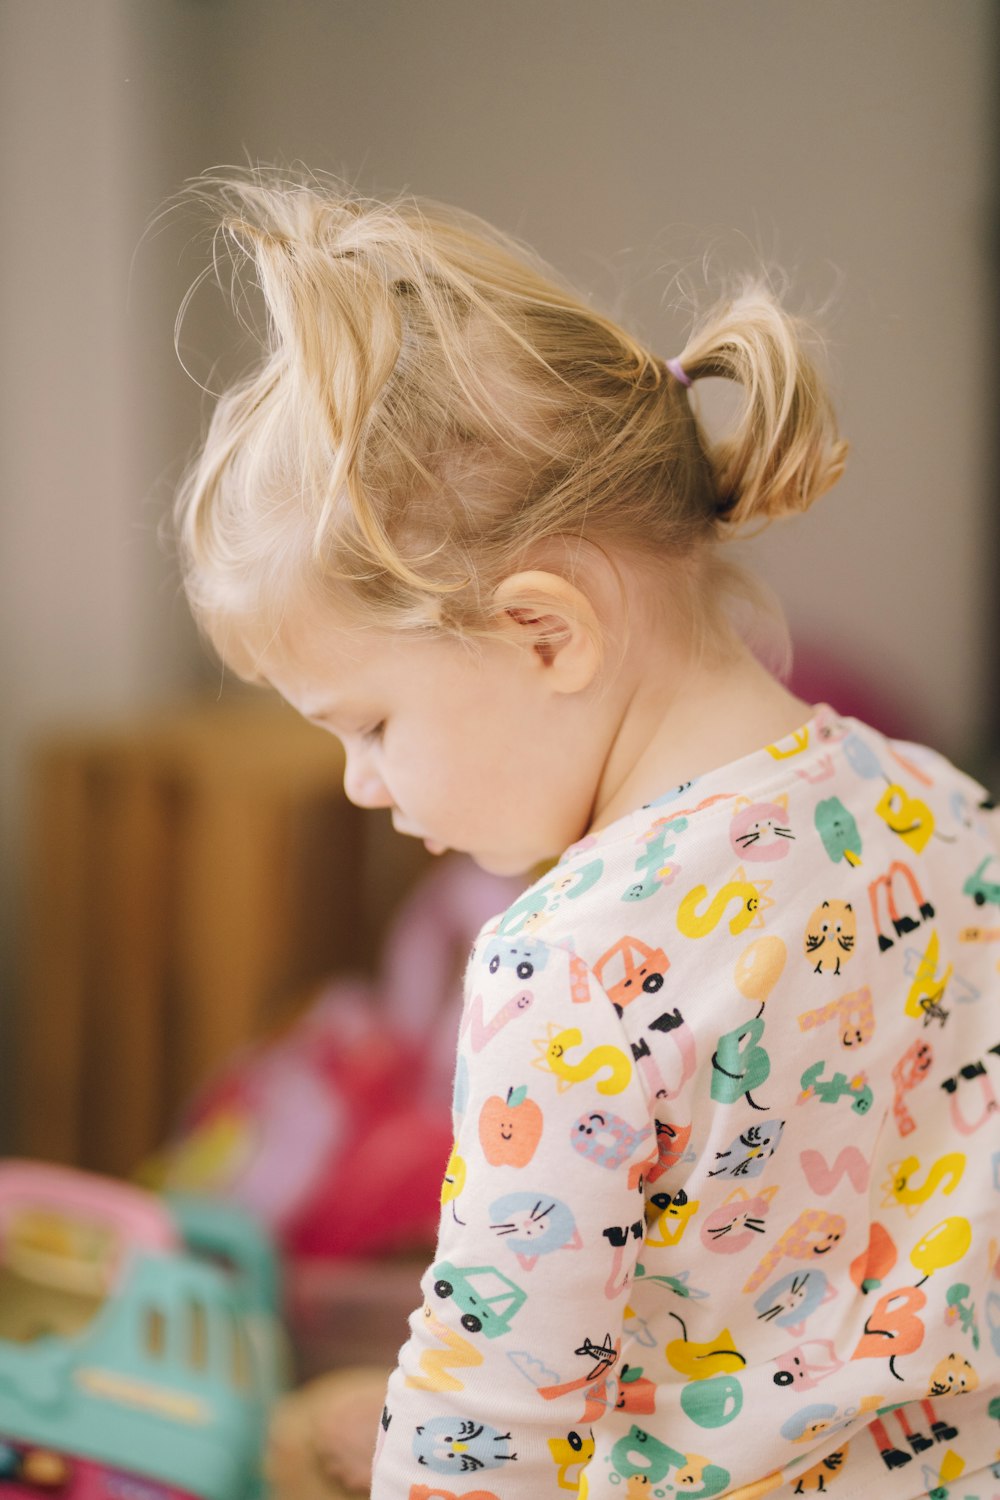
<point>509,863</point>
<point>505,864</point>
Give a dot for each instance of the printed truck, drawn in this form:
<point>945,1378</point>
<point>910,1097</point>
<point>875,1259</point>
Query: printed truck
<point>629,969</point>
<point>525,957</point>
<point>488,1299</point>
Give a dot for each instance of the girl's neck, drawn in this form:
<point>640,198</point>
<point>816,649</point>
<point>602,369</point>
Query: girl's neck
<point>676,727</point>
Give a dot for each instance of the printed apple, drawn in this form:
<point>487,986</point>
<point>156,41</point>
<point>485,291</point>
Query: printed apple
<point>510,1128</point>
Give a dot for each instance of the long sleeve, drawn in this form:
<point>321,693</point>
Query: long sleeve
<point>514,1356</point>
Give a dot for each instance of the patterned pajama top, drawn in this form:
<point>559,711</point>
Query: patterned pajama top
<point>722,1213</point>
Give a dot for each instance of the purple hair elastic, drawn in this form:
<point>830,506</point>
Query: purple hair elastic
<point>678,371</point>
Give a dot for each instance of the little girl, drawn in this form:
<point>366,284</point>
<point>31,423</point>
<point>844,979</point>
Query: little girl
<point>721,1215</point>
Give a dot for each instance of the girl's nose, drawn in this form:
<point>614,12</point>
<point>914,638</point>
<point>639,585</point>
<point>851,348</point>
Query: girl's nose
<point>362,784</point>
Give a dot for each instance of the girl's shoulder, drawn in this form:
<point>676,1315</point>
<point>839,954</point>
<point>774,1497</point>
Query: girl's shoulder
<point>829,756</point>
<point>826,808</point>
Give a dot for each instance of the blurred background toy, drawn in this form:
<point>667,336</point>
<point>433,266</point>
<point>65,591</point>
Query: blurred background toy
<point>335,1135</point>
<point>140,1347</point>
<point>323,1436</point>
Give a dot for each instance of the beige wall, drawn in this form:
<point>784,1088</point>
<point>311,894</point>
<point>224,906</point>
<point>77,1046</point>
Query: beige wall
<point>848,142</point>
<point>623,138</point>
<point>93,416</point>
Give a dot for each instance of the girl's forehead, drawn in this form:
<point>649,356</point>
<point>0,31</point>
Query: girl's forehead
<point>316,634</point>
<point>324,662</point>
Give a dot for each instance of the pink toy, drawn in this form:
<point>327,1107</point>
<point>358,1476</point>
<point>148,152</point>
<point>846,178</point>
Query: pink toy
<point>336,1136</point>
<point>129,1221</point>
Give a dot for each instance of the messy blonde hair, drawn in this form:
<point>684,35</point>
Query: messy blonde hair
<point>433,407</point>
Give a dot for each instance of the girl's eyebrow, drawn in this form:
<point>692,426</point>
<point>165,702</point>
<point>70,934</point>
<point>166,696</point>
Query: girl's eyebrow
<point>335,717</point>
<point>319,713</point>
<point>338,713</point>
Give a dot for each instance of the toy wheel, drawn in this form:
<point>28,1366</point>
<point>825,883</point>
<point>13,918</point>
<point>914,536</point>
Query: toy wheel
<point>525,970</point>
<point>652,983</point>
<point>443,1288</point>
<point>494,963</point>
<point>979,899</point>
<point>471,1323</point>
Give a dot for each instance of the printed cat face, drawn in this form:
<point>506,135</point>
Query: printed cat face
<point>734,1223</point>
<point>528,1221</point>
<point>791,1299</point>
<point>952,1376</point>
<point>760,830</point>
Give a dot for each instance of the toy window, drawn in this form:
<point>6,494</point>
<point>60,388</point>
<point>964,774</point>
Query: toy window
<point>54,1274</point>
<point>154,1332</point>
<point>241,1363</point>
<point>197,1331</point>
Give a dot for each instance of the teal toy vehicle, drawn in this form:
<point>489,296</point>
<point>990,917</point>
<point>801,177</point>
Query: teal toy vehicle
<point>140,1347</point>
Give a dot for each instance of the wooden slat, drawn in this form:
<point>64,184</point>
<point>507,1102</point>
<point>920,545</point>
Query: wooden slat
<point>123,1082</point>
<point>182,901</point>
<point>227,937</point>
<point>49,1025</point>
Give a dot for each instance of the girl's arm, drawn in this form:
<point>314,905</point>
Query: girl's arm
<point>513,1356</point>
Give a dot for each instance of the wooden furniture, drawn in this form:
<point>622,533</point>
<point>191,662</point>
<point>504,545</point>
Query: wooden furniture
<point>190,876</point>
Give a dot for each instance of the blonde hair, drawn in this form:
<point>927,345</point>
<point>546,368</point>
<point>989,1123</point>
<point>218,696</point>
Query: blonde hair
<point>433,406</point>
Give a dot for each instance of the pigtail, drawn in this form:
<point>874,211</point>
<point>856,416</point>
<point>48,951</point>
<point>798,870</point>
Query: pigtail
<point>784,450</point>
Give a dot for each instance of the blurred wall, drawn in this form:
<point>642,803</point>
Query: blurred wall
<point>850,143</point>
<point>624,139</point>
<point>98,123</point>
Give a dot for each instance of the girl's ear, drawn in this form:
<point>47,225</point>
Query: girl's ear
<point>556,622</point>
